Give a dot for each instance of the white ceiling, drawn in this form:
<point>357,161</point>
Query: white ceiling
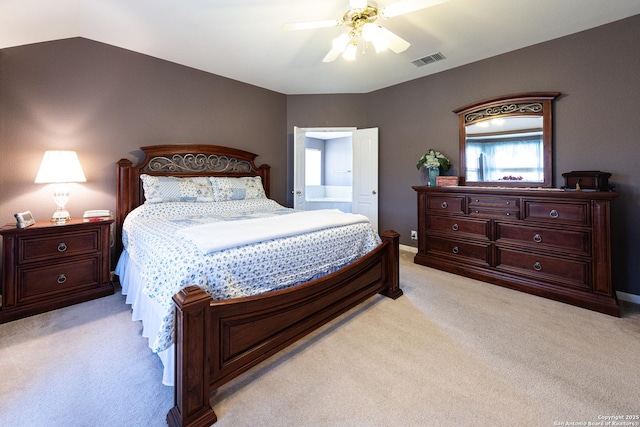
<point>243,39</point>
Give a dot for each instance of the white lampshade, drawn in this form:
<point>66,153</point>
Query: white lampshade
<point>60,167</point>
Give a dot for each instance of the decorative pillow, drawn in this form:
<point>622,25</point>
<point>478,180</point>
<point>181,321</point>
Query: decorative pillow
<point>226,188</point>
<point>161,189</point>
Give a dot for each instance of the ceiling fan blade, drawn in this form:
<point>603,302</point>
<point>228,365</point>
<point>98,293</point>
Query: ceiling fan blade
<point>358,4</point>
<point>309,25</point>
<point>332,55</point>
<point>396,43</point>
<point>338,46</point>
<point>406,6</point>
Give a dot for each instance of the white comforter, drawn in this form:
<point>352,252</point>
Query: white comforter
<point>153,237</point>
<point>216,236</point>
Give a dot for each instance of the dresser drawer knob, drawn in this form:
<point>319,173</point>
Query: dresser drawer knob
<point>455,250</point>
<point>454,227</point>
<point>61,279</point>
<point>62,247</point>
<point>508,203</point>
<point>554,213</point>
<point>508,213</point>
<point>537,238</point>
<point>537,266</point>
<point>444,205</point>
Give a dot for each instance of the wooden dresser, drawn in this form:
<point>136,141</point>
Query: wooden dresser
<point>551,243</point>
<point>48,266</point>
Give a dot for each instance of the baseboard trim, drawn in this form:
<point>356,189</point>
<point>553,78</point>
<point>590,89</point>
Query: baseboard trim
<point>632,298</point>
<point>624,296</point>
<point>409,248</point>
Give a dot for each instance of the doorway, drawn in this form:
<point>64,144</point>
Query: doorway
<point>336,168</point>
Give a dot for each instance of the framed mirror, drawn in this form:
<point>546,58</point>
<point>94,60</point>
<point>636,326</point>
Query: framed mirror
<point>507,141</point>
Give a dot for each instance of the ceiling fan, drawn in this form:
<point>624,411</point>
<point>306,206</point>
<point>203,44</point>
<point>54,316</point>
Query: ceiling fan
<point>361,19</point>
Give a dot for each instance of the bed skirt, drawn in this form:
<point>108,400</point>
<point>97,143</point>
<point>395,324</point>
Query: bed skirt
<point>146,310</point>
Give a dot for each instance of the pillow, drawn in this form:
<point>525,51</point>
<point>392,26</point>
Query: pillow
<point>161,189</point>
<point>226,188</point>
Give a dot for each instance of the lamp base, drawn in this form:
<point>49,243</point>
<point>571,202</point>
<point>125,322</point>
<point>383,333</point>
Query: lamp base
<point>60,216</point>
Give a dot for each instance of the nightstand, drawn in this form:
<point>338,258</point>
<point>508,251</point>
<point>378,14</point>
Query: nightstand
<point>48,266</point>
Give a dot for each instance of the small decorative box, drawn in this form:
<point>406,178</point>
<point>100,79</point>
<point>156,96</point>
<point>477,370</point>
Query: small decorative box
<point>446,181</point>
<point>587,180</point>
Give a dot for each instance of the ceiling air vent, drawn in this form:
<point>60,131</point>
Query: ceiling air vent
<point>429,59</point>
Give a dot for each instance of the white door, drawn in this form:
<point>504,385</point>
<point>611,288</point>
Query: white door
<point>365,174</point>
<point>298,168</point>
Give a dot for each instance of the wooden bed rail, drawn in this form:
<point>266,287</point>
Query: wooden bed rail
<point>218,340</point>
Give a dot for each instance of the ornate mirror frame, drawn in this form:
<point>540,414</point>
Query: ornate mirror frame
<point>534,104</point>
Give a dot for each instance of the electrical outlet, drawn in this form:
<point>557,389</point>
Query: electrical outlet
<point>414,235</point>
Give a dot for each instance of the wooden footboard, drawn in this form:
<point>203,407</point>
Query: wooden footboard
<point>218,340</point>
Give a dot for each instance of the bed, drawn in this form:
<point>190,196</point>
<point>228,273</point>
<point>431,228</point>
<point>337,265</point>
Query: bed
<point>208,317</point>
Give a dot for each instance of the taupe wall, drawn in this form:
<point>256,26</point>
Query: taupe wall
<point>105,102</point>
<point>597,72</point>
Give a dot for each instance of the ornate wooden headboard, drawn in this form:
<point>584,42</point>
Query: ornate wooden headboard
<point>180,160</point>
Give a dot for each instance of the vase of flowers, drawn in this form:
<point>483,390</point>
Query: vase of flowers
<point>433,161</point>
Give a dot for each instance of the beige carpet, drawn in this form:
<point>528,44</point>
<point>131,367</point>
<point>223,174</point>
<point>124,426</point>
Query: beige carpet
<point>450,352</point>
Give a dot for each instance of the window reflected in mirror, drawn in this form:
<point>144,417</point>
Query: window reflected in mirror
<point>506,141</point>
<point>505,149</point>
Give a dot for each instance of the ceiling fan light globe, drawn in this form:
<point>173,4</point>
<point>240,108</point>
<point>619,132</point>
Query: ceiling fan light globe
<point>369,31</point>
<point>380,44</point>
<point>350,52</point>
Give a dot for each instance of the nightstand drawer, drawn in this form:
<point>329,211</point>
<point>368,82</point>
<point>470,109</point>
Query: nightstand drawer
<point>50,280</point>
<point>58,245</point>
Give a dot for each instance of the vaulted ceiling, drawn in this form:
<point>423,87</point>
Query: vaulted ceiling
<point>244,39</point>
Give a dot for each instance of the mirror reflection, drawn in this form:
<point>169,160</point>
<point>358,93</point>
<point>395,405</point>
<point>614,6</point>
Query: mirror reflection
<point>507,141</point>
<point>505,149</point>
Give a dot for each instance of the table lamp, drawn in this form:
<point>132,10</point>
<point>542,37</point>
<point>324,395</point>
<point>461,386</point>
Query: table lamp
<point>60,167</point>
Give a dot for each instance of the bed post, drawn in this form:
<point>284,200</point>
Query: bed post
<point>192,407</point>
<point>123,198</point>
<point>265,173</point>
<point>391,263</point>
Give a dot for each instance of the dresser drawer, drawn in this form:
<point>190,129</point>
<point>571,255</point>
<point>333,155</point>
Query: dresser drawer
<point>495,202</point>
<point>557,212</point>
<point>458,226</point>
<point>543,238</point>
<point>47,281</point>
<point>476,253</point>
<point>58,245</point>
<point>544,268</point>
<point>484,212</point>
<point>446,204</point>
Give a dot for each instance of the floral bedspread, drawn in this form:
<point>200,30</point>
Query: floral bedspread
<point>169,263</point>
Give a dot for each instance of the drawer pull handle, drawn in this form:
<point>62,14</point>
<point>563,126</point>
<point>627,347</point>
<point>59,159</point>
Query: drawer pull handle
<point>455,250</point>
<point>454,227</point>
<point>62,247</point>
<point>554,213</point>
<point>61,279</point>
<point>537,238</point>
<point>537,266</point>
<point>444,205</point>
<point>508,203</point>
<point>508,213</point>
